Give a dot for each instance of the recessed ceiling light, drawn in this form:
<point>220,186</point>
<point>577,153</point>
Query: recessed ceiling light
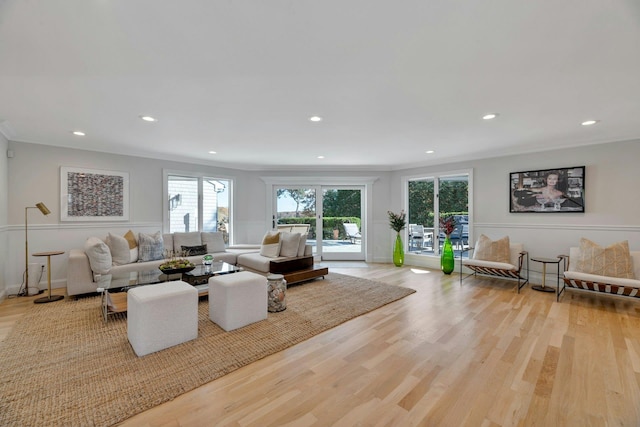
<point>429,151</point>
<point>148,119</point>
<point>490,116</point>
<point>315,118</point>
<point>589,122</point>
<point>321,157</point>
<point>78,133</point>
<point>213,152</point>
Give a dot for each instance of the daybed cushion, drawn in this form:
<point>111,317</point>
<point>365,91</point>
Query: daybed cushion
<point>99,255</point>
<point>150,247</point>
<point>612,261</point>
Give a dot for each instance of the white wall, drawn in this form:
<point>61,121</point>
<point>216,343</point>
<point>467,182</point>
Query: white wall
<point>35,176</point>
<point>611,199</point>
<point>612,205</point>
<point>4,196</point>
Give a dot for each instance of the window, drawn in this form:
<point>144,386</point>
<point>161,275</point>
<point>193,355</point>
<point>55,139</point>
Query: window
<point>197,203</point>
<point>430,198</point>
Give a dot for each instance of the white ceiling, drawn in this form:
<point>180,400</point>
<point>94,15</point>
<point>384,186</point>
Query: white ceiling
<point>391,79</point>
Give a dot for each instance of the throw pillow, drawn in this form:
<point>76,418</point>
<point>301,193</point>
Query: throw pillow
<point>194,250</point>
<point>150,246</point>
<point>303,244</point>
<point>99,255</point>
<point>119,247</point>
<point>133,246</point>
<point>290,243</point>
<point>612,261</point>
<point>495,251</point>
<point>214,241</point>
<point>270,244</point>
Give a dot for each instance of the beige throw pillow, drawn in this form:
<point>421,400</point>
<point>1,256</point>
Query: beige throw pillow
<point>133,246</point>
<point>490,250</point>
<point>290,243</point>
<point>270,244</point>
<point>151,246</point>
<point>99,255</point>
<point>612,261</point>
<point>119,247</point>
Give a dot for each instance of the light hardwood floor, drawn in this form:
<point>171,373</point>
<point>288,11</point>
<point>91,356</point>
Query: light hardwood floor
<point>449,355</point>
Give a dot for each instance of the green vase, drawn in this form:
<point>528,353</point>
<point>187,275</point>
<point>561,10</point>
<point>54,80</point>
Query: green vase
<point>446,258</point>
<point>398,252</point>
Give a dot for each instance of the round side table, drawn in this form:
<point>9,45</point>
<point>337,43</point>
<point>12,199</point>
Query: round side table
<point>49,298</point>
<point>545,261</point>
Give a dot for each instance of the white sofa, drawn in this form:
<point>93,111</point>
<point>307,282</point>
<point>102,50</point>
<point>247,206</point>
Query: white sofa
<point>606,284</point>
<point>83,273</point>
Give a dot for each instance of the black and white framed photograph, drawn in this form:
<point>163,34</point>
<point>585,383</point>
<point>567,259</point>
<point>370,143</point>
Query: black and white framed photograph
<point>93,195</point>
<point>547,191</point>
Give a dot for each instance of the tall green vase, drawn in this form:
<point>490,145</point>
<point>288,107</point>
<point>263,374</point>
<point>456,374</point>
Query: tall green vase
<point>446,258</point>
<point>398,252</point>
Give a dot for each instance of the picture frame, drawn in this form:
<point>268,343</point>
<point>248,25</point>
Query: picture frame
<point>93,195</point>
<point>547,191</point>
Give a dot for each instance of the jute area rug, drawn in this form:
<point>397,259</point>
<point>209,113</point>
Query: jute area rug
<point>62,365</point>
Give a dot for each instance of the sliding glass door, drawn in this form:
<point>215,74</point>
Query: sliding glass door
<point>326,217</point>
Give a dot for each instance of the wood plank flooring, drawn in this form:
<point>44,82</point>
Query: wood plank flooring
<point>449,355</point>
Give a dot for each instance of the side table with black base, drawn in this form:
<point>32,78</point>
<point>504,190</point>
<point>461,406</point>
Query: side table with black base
<point>545,261</point>
<point>49,298</point>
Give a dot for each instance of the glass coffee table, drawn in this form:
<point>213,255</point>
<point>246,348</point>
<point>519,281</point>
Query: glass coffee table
<point>114,287</point>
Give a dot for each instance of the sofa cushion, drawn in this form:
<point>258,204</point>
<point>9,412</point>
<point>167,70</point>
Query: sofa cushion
<point>290,244</point>
<point>254,261</point>
<point>133,245</point>
<point>150,246</point>
<point>490,250</point>
<point>119,248</point>
<point>214,241</point>
<point>99,255</point>
<point>612,261</point>
<point>270,244</point>
<point>186,239</point>
<point>194,250</point>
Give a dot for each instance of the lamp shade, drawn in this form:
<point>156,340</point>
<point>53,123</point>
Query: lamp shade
<point>45,210</point>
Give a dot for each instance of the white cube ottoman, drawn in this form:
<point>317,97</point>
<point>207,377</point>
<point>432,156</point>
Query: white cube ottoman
<point>161,316</point>
<point>237,299</point>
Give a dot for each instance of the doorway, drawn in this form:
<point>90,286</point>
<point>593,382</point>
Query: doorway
<point>326,209</point>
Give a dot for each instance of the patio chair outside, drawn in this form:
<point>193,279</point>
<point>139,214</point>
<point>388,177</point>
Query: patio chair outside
<point>416,234</point>
<point>351,231</point>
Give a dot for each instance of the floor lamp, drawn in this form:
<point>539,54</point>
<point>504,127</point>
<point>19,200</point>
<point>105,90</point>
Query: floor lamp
<point>45,211</point>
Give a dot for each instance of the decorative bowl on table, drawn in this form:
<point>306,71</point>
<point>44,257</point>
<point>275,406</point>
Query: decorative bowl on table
<point>176,266</point>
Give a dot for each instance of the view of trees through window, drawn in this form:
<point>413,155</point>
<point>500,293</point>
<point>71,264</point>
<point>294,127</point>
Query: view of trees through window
<point>431,198</point>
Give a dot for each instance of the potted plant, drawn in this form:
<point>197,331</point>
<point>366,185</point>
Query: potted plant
<point>398,222</point>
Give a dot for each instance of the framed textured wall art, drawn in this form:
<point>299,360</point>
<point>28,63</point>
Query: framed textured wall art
<point>93,195</point>
<point>547,191</point>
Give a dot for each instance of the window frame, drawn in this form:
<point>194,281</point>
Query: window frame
<point>200,176</point>
<point>437,177</point>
